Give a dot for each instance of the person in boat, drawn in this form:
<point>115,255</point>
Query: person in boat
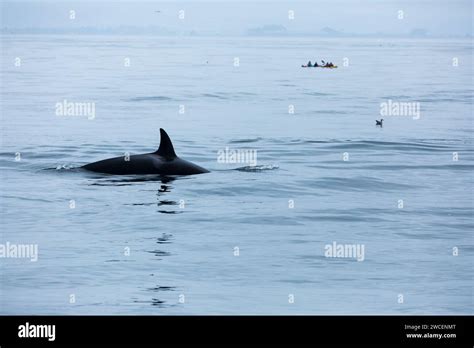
<point>309,64</point>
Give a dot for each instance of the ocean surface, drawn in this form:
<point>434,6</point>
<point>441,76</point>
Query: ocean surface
<point>242,239</point>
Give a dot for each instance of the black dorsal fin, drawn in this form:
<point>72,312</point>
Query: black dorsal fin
<point>166,149</point>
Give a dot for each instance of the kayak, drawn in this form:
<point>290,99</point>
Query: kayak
<point>326,67</point>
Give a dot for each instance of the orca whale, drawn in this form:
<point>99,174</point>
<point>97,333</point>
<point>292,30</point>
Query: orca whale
<point>163,162</point>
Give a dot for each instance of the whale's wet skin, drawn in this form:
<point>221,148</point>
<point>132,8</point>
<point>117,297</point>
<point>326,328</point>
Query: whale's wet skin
<point>164,162</point>
<point>236,241</point>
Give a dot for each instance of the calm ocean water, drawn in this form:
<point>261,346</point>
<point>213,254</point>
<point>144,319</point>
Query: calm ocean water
<point>228,242</point>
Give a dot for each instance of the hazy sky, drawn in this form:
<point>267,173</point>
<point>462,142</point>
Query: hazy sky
<point>449,17</point>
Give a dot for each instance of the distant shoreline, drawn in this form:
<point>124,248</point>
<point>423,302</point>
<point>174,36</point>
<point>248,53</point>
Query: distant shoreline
<point>19,32</point>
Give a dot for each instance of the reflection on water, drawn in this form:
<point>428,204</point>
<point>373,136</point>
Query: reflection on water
<point>161,201</point>
<point>108,180</point>
<point>162,288</point>
<point>164,239</point>
<point>166,202</point>
<point>159,253</point>
<point>164,188</point>
<point>154,302</point>
<point>122,180</point>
